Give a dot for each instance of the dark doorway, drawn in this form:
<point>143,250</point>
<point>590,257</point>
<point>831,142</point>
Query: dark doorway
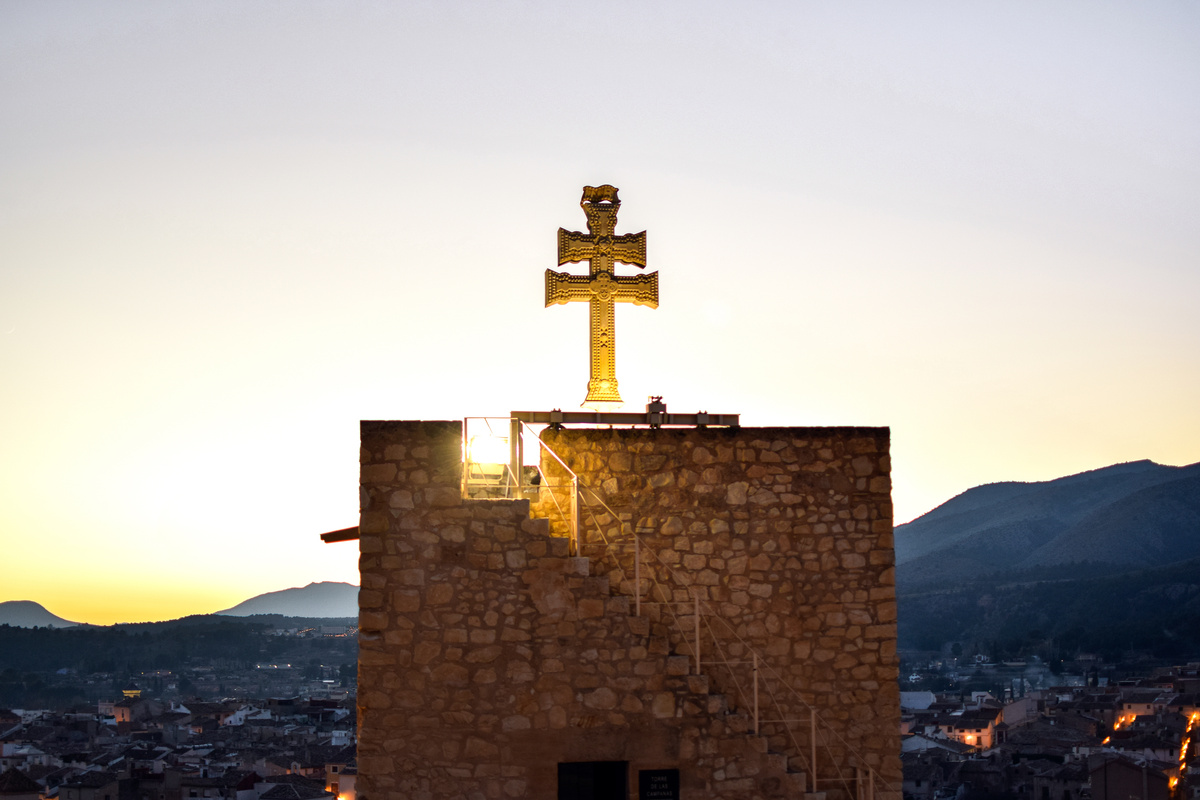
<point>593,780</point>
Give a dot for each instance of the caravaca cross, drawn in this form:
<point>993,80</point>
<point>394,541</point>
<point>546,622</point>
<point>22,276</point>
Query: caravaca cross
<point>601,248</point>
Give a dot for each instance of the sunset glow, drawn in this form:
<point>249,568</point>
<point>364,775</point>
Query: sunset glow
<point>229,232</point>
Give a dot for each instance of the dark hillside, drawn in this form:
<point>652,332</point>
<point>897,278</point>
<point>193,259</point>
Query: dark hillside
<point>1060,612</point>
<point>1106,561</point>
<point>1137,515</point>
<point>1157,525</point>
<point>173,645</point>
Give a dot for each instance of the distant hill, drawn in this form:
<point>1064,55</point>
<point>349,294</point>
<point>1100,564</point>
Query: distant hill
<point>325,599</point>
<point>28,614</point>
<point>126,652</point>
<point>1103,561</point>
<point>1135,515</point>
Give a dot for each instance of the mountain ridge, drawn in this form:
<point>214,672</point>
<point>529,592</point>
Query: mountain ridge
<point>325,599</point>
<point>1098,562</point>
<point>1011,525</point>
<point>317,600</point>
<point>31,614</point>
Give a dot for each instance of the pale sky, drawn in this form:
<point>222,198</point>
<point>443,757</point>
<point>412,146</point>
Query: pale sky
<point>230,230</point>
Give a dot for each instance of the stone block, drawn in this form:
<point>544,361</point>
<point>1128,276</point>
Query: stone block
<point>401,499</point>
<point>663,705</point>
<point>372,620</point>
<point>425,652</point>
<point>602,698</point>
<point>484,655</point>
<point>516,722</point>
<point>483,636</point>
<point>661,480</point>
<point>590,607</point>
<point>764,497</point>
<point>376,473</point>
<point>450,675</point>
<point>478,749</point>
<point>442,496</point>
<point>373,522</point>
<point>650,462</point>
<point>678,665</point>
<point>853,561</point>
<point>439,594</point>
<point>672,527</point>
<point>406,600</point>
<point>411,577</point>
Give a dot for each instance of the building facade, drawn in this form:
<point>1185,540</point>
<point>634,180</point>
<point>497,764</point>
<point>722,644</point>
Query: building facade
<point>722,626</point>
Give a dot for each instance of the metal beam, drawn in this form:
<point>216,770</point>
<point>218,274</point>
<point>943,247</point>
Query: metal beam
<point>652,418</point>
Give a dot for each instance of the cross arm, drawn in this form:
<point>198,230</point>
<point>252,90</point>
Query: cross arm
<point>641,290</point>
<point>563,287</point>
<point>628,248</point>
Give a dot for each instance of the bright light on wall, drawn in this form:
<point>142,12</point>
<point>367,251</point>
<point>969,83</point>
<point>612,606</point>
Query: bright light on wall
<point>486,449</point>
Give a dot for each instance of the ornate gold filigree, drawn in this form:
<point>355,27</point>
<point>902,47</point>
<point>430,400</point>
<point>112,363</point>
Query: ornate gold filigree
<point>601,287</point>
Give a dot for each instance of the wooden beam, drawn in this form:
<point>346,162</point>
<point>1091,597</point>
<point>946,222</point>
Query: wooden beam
<point>344,535</point>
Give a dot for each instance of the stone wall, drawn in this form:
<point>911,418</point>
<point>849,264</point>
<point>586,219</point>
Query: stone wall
<point>489,654</point>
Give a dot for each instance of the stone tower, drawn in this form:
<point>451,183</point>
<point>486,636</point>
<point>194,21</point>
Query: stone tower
<point>499,660</point>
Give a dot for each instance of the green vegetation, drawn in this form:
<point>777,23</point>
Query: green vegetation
<point>1059,612</point>
<point>59,667</point>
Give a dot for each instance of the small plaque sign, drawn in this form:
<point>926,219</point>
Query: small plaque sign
<point>658,784</point>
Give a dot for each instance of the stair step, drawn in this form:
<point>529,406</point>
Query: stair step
<point>572,567</point>
<point>799,781</point>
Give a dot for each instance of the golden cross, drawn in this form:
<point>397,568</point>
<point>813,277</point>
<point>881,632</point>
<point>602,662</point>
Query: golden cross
<point>601,287</point>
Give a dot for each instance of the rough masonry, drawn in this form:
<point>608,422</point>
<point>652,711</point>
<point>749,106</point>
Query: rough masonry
<point>490,654</point>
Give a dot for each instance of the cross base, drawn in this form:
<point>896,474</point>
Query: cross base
<point>602,395</point>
